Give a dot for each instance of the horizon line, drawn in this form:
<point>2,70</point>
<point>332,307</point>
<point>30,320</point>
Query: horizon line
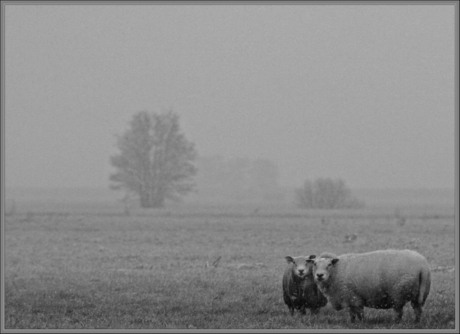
<point>68,187</point>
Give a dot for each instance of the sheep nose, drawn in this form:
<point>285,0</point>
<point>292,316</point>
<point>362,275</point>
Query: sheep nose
<point>301,271</point>
<point>319,276</point>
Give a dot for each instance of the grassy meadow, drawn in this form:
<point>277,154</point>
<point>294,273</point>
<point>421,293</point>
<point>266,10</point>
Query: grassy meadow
<point>195,267</point>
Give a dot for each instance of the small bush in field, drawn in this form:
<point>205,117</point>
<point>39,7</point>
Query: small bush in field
<point>326,193</point>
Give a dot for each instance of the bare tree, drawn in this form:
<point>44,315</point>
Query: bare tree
<point>326,193</point>
<point>155,160</point>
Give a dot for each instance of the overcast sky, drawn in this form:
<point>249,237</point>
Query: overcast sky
<point>361,92</point>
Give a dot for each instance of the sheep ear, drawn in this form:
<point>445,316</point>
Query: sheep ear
<point>334,260</point>
<point>289,259</point>
<point>311,258</point>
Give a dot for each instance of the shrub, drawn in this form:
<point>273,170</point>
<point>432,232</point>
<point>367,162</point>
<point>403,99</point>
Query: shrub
<point>326,193</point>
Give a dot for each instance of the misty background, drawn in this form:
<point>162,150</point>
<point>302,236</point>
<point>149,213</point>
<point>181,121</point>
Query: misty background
<point>365,93</point>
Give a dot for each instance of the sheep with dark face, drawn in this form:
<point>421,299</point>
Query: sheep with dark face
<point>299,288</point>
<point>380,279</point>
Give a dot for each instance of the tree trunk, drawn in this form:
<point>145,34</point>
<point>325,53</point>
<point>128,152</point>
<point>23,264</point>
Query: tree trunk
<point>158,202</point>
<point>150,200</point>
<point>144,198</point>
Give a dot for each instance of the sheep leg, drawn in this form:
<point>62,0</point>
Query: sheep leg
<point>356,311</point>
<point>352,316</point>
<point>360,313</point>
<point>302,310</point>
<point>399,313</point>
<point>290,304</point>
<point>417,310</point>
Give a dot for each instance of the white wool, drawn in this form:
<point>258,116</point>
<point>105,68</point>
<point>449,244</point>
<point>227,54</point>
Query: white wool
<point>379,279</point>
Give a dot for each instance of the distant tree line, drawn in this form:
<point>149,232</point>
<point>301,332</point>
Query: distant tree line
<point>156,163</point>
<point>326,193</point>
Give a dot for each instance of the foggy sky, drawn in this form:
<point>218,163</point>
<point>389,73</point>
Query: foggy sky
<point>362,92</point>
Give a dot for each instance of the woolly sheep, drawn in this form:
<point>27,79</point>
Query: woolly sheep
<point>299,288</point>
<point>379,279</point>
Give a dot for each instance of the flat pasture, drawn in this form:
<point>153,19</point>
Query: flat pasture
<point>203,268</point>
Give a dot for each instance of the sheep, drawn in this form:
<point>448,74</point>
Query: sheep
<point>379,279</point>
<point>299,289</point>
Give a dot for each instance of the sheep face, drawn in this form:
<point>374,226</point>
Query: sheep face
<point>322,268</point>
<point>301,265</point>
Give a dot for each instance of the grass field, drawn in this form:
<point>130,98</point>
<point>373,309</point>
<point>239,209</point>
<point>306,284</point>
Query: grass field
<point>203,268</point>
